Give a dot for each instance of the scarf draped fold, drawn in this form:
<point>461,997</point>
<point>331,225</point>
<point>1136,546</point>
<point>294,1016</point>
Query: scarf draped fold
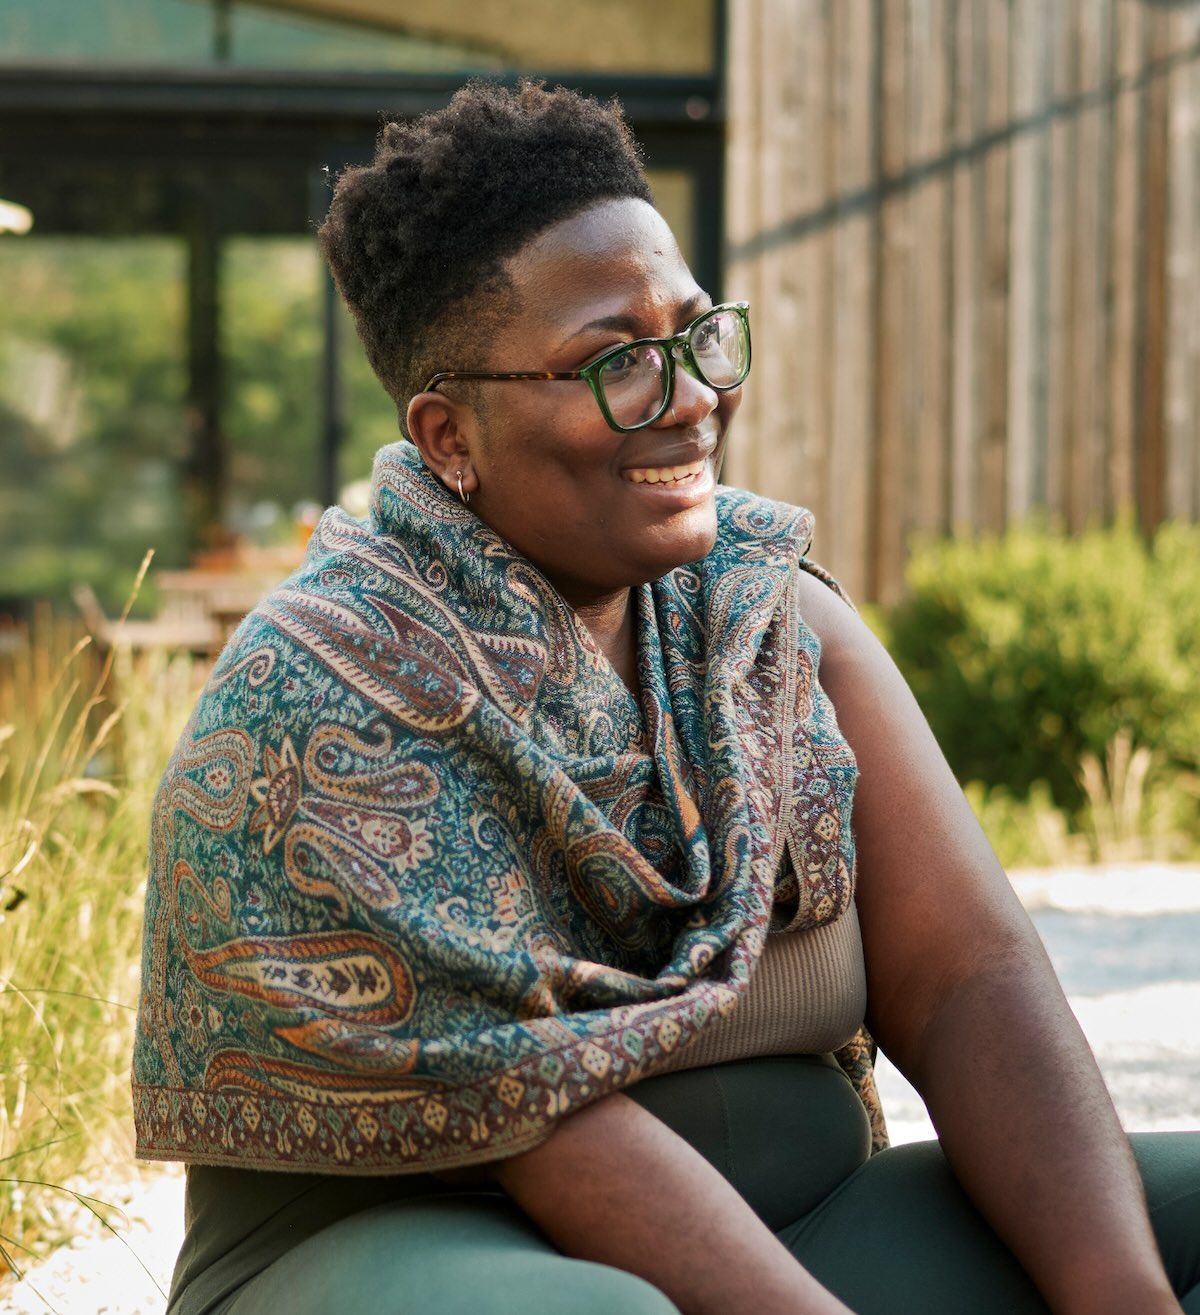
<point>424,876</point>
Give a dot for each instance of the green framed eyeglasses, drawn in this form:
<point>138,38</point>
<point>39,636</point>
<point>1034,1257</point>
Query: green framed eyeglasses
<point>633,382</point>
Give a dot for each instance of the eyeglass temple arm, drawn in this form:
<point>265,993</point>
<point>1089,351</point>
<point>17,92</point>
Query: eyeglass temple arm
<point>511,374</point>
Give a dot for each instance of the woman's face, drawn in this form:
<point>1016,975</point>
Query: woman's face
<point>546,471</point>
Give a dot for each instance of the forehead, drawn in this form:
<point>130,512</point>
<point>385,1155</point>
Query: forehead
<point>613,258</point>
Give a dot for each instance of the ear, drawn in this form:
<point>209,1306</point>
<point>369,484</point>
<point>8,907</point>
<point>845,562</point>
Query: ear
<point>440,428</point>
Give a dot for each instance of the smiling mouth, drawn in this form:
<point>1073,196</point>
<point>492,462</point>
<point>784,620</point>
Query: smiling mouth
<point>665,474</point>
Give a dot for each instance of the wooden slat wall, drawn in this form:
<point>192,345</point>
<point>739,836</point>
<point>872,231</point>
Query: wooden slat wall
<point>1182,404</point>
<point>970,230</point>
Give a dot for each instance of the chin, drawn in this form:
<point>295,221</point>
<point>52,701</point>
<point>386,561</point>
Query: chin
<point>684,548</point>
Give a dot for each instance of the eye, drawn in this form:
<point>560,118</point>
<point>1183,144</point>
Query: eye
<point>621,364</point>
<point>705,334</point>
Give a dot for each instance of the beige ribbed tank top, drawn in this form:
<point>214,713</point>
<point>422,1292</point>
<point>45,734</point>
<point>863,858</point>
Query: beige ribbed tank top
<point>807,996</point>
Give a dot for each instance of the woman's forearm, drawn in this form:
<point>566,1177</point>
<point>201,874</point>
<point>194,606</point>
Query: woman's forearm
<point>614,1184</point>
<point>1028,1126</point>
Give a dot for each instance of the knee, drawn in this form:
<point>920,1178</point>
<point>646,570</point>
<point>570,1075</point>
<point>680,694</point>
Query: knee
<point>605,1290</point>
<point>1170,1166</point>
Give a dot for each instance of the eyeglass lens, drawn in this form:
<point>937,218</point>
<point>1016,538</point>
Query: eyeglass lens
<point>635,382</point>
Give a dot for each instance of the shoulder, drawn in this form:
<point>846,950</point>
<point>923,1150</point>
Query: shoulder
<point>827,611</point>
<point>751,527</point>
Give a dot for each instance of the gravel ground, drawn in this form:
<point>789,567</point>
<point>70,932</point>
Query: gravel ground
<point>1125,941</point>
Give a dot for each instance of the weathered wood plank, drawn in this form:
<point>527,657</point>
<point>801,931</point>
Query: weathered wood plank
<point>929,120</point>
<point>1181,417</point>
<point>1042,255</point>
<point>851,473</point>
<point>799,276</point>
<point>745,162</point>
<point>778,35</point>
<point>966,187</point>
<point>1149,442</point>
<point>1060,415</point>
<point>1027,104</point>
<point>1085,483</point>
<point>992,113</point>
<point>893,490</point>
<point>1125,120</point>
<point>971,233</point>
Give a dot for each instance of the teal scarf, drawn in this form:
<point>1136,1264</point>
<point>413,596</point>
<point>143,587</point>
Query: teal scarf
<point>424,876</point>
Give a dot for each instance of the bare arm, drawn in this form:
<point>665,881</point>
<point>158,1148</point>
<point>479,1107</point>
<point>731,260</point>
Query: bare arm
<point>614,1184</point>
<point>964,1000</point>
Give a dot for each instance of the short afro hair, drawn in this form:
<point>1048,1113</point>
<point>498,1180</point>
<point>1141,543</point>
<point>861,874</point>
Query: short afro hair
<point>416,239</point>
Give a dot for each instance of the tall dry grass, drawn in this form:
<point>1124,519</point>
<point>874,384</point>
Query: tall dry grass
<point>83,741</point>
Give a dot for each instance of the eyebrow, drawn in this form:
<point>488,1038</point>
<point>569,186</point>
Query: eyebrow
<point>627,324</point>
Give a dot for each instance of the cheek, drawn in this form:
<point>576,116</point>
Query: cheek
<point>542,460</point>
<point>546,422</point>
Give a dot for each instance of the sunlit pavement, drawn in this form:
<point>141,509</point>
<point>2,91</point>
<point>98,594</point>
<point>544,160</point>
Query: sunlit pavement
<point>1126,945</point>
<point>1125,942</point>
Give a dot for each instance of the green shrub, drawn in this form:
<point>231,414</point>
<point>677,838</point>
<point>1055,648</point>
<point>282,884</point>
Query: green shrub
<point>1134,812</point>
<point>1031,652</point>
<point>1026,831</point>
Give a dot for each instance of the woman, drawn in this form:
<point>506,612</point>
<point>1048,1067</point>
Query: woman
<point>508,942</point>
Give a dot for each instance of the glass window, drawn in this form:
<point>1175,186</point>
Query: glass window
<point>106,31</point>
<point>271,353</point>
<point>371,419</point>
<point>269,38</point>
<point>614,36</point>
<point>670,36</point>
<point>93,384</point>
<point>202,32</point>
<point>272,344</point>
<point>92,423</point>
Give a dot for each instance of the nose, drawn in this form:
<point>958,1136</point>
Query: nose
<point>692,400</point>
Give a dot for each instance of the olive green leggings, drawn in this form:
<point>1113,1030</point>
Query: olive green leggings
<point>890,1233</point>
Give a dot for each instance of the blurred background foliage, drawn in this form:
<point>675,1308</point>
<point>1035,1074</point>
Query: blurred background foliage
<point>92,397</point>
<point>91,387</point>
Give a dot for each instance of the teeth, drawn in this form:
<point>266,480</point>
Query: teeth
<point>664,474</point>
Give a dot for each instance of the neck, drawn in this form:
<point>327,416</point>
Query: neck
<point>608,618</point>
<point>611,619</point>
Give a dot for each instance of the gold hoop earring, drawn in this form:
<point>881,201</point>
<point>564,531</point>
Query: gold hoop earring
<point>466,497</point>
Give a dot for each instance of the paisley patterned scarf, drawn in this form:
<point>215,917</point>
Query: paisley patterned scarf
<point>424,876</point>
